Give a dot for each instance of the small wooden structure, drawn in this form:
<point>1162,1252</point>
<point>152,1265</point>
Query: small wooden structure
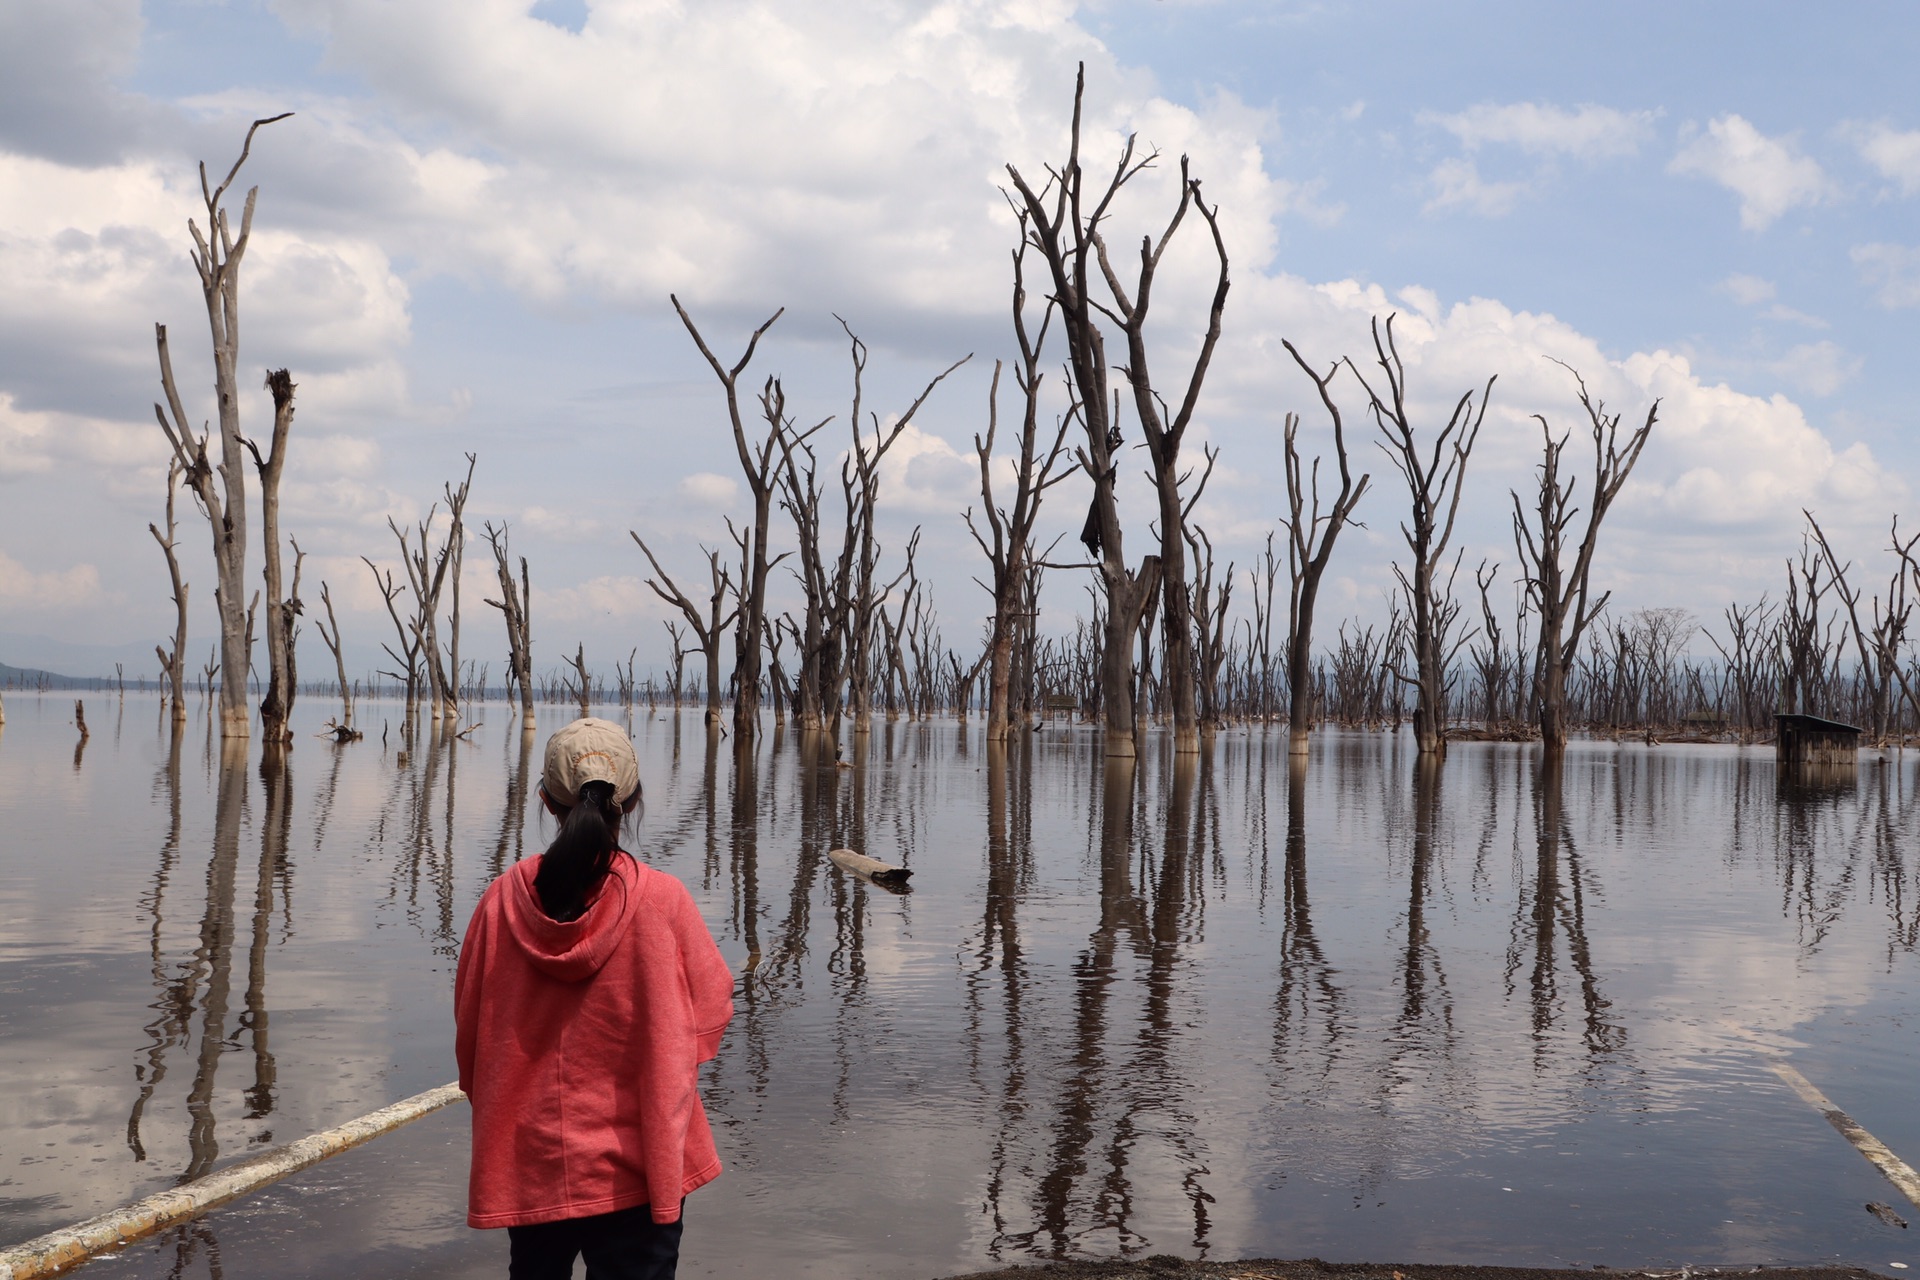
<point>1809,742</point>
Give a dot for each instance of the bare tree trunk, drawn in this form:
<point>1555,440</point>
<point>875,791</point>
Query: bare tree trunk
<point>217,257</point>
<point>1310,539</point>
<point>456,553</point>
<point>174,664</point>
<point>331,638</point>
<point>1164,436</point>
<point>757,465</point>
<point>1562,597</point>
<point>1011,549</point>
<point>514,605</point>
<point>1434,485</point>
<point>283,606</point>
<point>1878,646</point>
<point>1210,615</point>
<point>407,656</point>
<point>841,594</point>
<point>1066,232</point>
<point>579,663</point>
<point>707,629</point>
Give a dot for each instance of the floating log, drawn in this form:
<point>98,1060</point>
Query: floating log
<point>872,868</point>
<point>59,1250</point>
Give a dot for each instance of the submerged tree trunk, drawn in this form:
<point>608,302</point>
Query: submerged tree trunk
<point>330,636</point>
<point>757,466</point>
<point>283,605</point>
<point>1310,539</point>
<point>1434,484</point>
<point>513,604</point>
<point>1062,220</point>
<point>1559,592</point>
<point>217,256</point>
<point>172,664</point>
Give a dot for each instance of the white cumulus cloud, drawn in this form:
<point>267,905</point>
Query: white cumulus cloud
<point>1769,175</point>
<point>1895,153</point>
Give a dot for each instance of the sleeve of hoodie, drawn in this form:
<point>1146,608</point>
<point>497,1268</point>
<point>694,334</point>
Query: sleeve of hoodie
<point>466,991</point>
<point>709,981</point>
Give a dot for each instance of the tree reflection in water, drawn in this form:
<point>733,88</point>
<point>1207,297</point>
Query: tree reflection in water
<point>1310,1019</point>
<point>1058,1034</point>
<point>1122,915</point>
<point>1010,875</point>
<point>173,1003</point>
<point>213,958</point>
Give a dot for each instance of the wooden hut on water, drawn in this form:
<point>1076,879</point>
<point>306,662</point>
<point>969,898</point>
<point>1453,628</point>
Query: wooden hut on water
<point>1810,741</point>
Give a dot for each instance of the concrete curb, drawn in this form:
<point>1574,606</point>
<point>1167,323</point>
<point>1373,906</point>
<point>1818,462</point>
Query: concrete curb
<point>60,1250</point>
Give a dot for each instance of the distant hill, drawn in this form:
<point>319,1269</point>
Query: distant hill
<point>34,678</point>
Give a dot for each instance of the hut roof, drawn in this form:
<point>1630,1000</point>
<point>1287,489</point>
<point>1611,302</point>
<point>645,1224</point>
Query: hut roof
<point>1814,724</point>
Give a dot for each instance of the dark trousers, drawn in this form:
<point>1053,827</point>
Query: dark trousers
<point>626,1244</point>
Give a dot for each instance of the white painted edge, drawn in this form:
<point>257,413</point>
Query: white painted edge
<point>68,1247</point>
<point>1897,1171</point>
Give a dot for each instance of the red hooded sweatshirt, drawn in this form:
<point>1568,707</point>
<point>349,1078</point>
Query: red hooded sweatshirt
<point>579,1046</point>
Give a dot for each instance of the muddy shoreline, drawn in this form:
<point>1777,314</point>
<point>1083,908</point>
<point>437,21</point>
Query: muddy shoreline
<point>1165,1267</point>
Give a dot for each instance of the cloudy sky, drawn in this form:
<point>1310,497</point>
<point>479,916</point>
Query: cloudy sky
<point>467,234</point>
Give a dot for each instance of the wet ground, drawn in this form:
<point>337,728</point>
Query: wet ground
<point>1167,1267</point>
<point>1473,1016</point>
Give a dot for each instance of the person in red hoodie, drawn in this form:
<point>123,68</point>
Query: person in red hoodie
<point>588,994</point>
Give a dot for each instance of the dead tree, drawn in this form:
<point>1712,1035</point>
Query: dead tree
<point>1164,434</point>
<point>842,594</point>
<point>1799,636</point>
<point>1434,482</point>
<point>894,629</point>
<point>1897,606</point>
<point>1310,539</point>
<point>1879,646</point>
<point>585,689</point>
<point>680,652</point>
<point>708,628</point>
<point>1560,593</point>
<point>1492,658</point>
<point>330,636</point>
<point>1745,659</point>
<point>1262,579</point>
<point>1067,247</point>
<point>758,464</point>
<point>217,257</point>
<point>515,605</point>
<point>428,569</point>
<point>858,596</point>
<point>283,602</point>
<point>1010,552</point>
<point>174,664</point>
<point>1209,611</point>
<point>456,553</point>
<point>407,656</point>
<point>1064,226</point>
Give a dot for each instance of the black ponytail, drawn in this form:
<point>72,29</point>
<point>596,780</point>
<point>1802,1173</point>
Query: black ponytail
<point>581,855</point>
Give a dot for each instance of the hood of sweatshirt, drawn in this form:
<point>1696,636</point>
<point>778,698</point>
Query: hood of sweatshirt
<point>572,950</point>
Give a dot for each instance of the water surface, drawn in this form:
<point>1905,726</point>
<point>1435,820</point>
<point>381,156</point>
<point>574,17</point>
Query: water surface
<point>1217,1008</point>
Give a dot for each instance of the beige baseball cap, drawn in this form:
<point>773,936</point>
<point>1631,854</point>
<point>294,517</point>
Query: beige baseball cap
<point>590,750</point>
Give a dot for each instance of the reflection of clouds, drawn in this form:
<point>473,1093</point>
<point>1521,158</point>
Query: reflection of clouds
<point>1134,1017</point>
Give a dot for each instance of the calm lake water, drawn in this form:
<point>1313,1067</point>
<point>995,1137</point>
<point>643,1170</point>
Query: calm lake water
<point>1219,1010</point>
